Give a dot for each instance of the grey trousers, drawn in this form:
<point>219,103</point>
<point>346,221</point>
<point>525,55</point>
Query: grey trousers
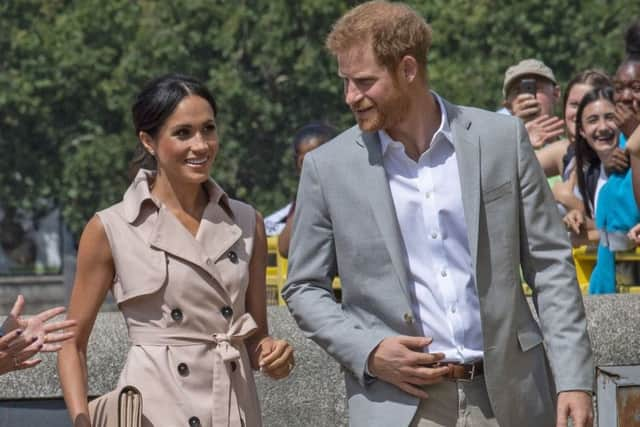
<point>455,404</point>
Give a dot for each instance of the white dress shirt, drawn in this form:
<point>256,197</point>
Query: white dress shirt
<point>428,203</point>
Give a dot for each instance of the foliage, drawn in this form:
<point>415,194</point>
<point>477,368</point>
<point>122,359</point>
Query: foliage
<point>69,70</point>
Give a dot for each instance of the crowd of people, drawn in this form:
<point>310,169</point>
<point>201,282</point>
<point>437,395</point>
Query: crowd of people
<point>417,175</point>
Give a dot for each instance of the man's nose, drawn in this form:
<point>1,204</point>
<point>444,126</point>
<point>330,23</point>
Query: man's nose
<point>351,93</point>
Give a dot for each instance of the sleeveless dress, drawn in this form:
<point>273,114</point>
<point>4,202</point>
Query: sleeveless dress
<point>183,300</point>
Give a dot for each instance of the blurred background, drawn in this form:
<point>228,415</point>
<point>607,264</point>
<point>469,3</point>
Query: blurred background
<point>69,71</point>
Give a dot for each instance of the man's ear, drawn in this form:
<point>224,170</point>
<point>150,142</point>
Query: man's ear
<point>409,68</point>
<point>147,142</point>
<point>556,93</point>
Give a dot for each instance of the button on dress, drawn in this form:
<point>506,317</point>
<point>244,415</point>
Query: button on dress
<point>183,300</point>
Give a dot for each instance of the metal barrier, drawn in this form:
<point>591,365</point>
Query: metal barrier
<point>584,258</point>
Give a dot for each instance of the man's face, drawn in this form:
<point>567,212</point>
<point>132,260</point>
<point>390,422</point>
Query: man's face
<point>547,93</point>
<point>373,93</point>
<point>627,85</point>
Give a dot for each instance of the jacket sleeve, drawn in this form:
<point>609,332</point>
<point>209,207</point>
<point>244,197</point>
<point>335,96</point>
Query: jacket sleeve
<point>308,292</point>
<point>547,264</point>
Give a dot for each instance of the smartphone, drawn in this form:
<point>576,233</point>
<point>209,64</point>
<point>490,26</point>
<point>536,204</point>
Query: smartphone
<point>528,86</point>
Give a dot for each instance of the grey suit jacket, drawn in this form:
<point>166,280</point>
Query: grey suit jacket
<point>345,221</point>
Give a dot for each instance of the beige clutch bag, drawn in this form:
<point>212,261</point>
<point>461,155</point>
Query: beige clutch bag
<point>118,408</point>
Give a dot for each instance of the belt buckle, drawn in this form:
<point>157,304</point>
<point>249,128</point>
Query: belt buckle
<point>472,374</point>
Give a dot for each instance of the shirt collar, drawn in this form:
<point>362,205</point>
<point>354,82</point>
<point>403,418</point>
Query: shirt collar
<point>444,129</point>
<point>139,192</point>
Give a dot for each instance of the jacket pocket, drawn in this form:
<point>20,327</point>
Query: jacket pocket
<point>529,337</point>
<point>496,192</point>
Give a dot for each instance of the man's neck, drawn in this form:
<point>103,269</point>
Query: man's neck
<point>419,125</point>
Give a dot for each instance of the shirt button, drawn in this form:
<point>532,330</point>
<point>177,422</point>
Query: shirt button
<point>443,273</point>
<point>183,369</point>
<point>428,195</point>
<point>434,235</point>
<point>408,318</point>
<point>194,422</point>
<point>233,365</point>
<point>226,311</point>
<point>233,257</point>
<point>453,308</point>
<point>176,314</point>
<point>209,261</point>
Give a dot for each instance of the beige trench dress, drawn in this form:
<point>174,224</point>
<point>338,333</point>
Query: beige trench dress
<point>183,299</point>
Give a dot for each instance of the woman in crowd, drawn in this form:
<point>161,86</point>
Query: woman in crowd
<point>610,209</point>
<point>307,138</point>
<point>22,338</point>
<point>558,158</point>
<point>186,265</point>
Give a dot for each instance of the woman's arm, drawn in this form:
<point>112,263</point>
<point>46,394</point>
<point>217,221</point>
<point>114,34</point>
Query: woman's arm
<point>633,146</point>
<point>94,275</point>
<point>285,236</point>
<point>272,356</point>
<point>550,157</point>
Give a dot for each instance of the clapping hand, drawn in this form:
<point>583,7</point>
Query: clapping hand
<point>36,328</point>
<point>275,357</point>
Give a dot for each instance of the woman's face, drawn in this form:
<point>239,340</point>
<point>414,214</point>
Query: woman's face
<point>187,143</point>
<point>599,127</point>
<point>573,101</point>
<point>626,83</point>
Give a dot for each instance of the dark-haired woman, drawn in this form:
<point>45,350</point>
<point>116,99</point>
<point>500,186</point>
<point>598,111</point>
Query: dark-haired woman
<point>609,203</point>
<point>186,265</point>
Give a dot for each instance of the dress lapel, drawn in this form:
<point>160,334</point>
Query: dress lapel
<point>377,188</point>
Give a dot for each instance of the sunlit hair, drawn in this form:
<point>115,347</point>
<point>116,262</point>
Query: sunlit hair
<point>592,77</point>
<point>393,29</point>
<point>585,154</point>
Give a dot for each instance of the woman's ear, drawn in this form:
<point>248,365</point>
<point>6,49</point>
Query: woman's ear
<point>147,142</point>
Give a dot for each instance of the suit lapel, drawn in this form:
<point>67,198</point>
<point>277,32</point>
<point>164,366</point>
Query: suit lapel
<point>467,147</point>
<point>379,194</point>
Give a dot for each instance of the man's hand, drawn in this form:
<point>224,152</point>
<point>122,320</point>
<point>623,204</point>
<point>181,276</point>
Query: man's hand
<point>401,361</point>
<point>627,118</point>
<point>525,106</point>
<point>578,406</point>
<point>544,129</point>
<point>616,161</point>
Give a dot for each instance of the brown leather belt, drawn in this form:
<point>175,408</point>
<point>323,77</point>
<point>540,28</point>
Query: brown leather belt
<point>463,371</point>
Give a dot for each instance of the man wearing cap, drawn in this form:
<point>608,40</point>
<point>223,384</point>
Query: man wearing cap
<point>534,108</point>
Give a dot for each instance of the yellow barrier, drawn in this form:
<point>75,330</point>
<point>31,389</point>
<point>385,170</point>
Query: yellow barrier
<point>277,272</point>
<point>584,258</point>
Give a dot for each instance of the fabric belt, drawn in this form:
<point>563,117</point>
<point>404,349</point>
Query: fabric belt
<point>463,371</point>
<point>225,409</point>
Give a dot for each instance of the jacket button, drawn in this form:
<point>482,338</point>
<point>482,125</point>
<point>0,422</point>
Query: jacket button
<point>176,314</point>
<point>194,422</point>
<point>226,311</point>
<point>233,365</point>
<point>183,369</point>
<point>233,257</point>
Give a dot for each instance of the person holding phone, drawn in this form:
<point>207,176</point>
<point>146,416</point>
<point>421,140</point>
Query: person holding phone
<point>531,91</point>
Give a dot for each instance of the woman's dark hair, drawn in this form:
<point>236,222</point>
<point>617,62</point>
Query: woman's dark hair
<point>586,157</point>
<point>154,104</point>
<point>632,42</point>
<point>319,131</point>
<point>592,77</point>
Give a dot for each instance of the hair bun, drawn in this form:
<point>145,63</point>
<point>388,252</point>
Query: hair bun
<point>632,40</point>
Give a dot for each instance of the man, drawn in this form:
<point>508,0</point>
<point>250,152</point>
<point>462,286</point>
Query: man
<point>535,109</point>
<point>428,209</point>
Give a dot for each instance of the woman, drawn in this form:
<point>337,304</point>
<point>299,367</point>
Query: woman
<point>307,138</point>
<point>22,338</point>
<point>611,203</point>
<point>186,265</point>
<point>557,158</point>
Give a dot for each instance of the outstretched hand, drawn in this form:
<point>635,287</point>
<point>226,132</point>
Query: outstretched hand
<point>16,351</point>
<point>544,129</point>
<point>50,334</point>
<point>401,361</point>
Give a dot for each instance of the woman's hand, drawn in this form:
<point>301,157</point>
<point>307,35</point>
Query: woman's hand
<point>275,357</point>
<point>16,351</point>
<point>37,326</point>
<point>574,220</point>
